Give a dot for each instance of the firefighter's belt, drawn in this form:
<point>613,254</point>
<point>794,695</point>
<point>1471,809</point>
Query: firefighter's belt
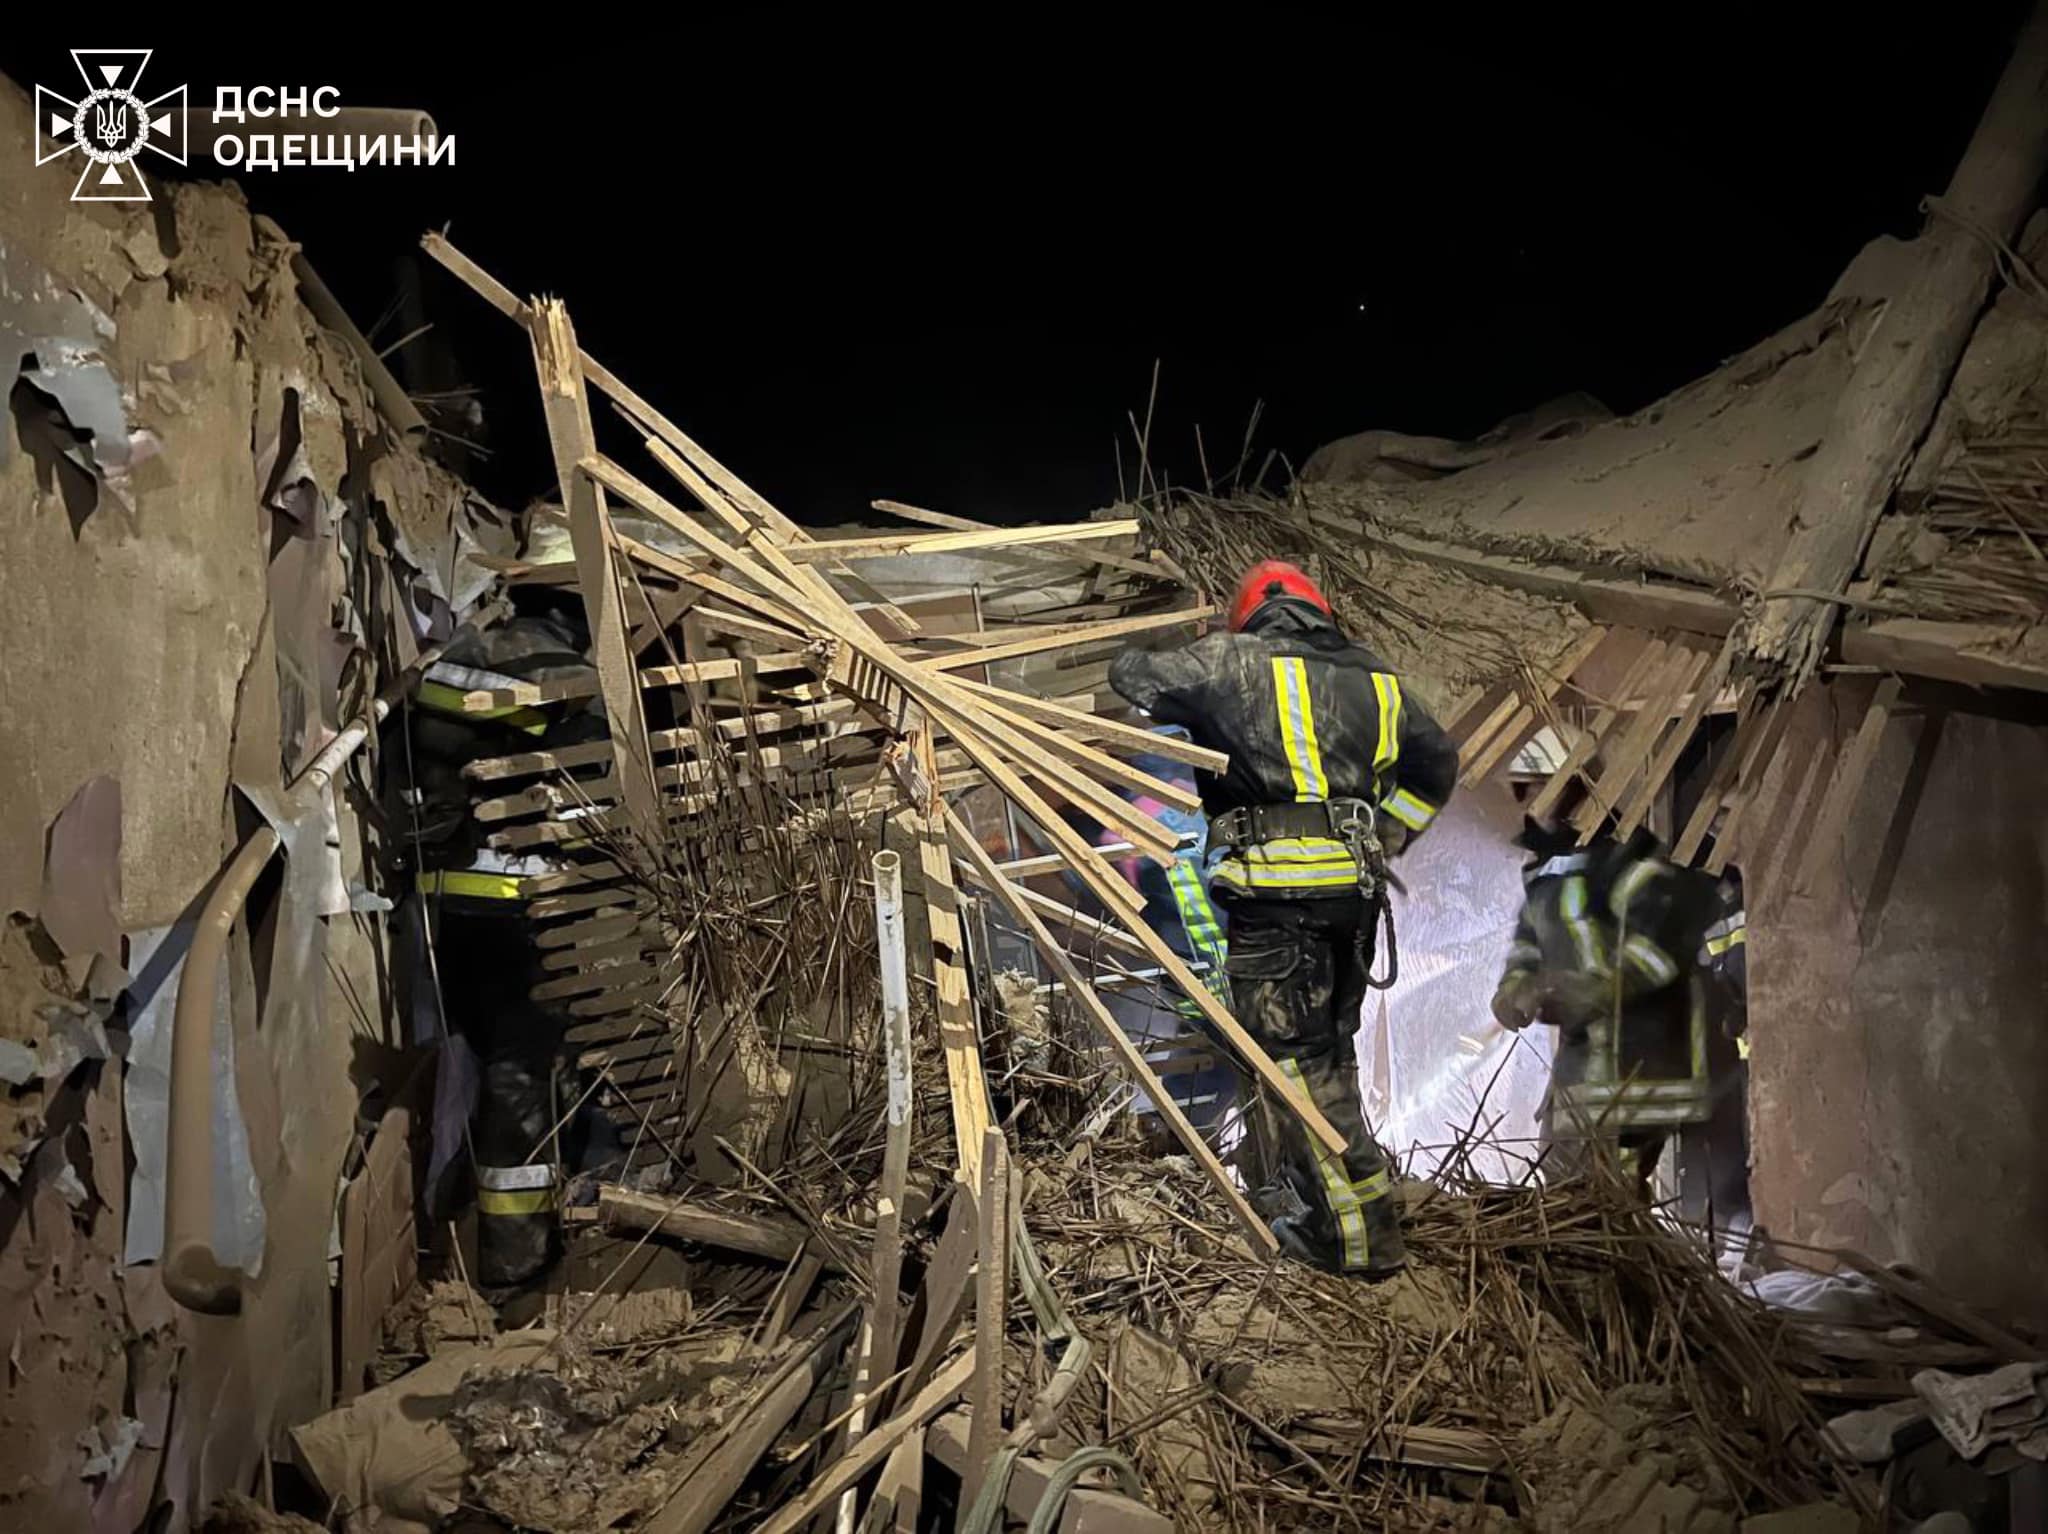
<point>1253,824</point>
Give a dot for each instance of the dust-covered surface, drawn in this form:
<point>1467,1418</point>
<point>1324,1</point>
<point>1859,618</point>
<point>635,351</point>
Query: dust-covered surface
<point>1449,635</point>
<point>1700,485</point>
<point>207,546</point>
<point>1553,1360</point>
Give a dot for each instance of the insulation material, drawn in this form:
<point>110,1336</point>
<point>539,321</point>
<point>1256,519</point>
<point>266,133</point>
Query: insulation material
<point>158,958</point>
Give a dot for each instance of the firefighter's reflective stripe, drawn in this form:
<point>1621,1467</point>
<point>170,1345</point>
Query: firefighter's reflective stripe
<point>1654,963</point>
<point>1298,729</point>
<point>1289,863</point>
<point>1199,921</point>
<point>515,1190</point>
<point>1347,1198</point>
<point>1631,884</point>
<point>1571,905</point>
<point>472,883</point>
<point>1386,690</point>
<point>1729,932</point>
<point>1412,811</point>
<point>443,699</point>
<point>1742,1047</point>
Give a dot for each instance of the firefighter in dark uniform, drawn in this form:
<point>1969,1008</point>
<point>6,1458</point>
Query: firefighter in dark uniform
<point>1331,770</point>
<point>1714,1156</point>
<point>485,957</point>
<point>1607,952</point>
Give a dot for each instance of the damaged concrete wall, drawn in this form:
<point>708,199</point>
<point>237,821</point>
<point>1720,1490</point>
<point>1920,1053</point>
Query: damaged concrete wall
<point>198,583</point>
<point>1899,1065</point>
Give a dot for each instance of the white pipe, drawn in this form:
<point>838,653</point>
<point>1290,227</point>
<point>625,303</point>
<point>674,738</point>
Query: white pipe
<point>888,868</point>
<point>888,871</point>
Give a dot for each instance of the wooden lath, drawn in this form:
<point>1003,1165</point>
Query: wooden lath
<point>1041,756</point>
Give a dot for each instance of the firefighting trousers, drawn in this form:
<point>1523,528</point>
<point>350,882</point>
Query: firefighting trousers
<point>1297,972</point>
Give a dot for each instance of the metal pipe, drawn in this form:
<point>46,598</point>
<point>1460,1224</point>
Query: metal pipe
<point>192,1274</point>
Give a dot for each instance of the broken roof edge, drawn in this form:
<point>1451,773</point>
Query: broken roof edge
<point>1699,485</point>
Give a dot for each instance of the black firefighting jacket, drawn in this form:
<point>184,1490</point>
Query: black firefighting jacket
<point>1615,930</point>
<point>1306,716</point>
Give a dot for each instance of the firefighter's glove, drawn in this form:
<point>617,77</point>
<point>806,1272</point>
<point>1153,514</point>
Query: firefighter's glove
<point>1518,1001</point>
<point>1394,837</point>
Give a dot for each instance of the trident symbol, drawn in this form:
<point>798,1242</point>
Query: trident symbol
<point>110,122</point>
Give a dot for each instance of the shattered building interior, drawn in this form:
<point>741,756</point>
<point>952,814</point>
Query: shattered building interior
<point>610,1004</point>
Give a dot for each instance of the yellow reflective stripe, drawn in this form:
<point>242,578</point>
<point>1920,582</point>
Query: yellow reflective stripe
<point>1199,920</point>
<point>520,1201</point>
<point>472,883</point>
<point>1650,959</point>
<point>443,699</point>
<point>1345,1204</point>
<point>1289,862</point>
<point>1298,729</point>
<point>1630,884</point>
<point>1290,879</point>
<point>1720,945</point>
<point>1386,688</point>
<point>1413,812</point>
<point>1571,905</point>
<point>1742,1047</point>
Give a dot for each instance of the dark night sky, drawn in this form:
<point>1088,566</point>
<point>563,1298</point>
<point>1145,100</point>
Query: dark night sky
<point>946,282</point>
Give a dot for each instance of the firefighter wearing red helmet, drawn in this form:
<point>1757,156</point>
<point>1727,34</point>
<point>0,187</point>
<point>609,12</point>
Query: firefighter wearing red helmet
<point>1332,768</point>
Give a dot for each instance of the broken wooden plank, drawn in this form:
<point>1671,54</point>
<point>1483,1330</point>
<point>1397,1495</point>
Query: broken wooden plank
<point>556,360</point>
<point>1132,1058</point>
<point>899,1492</point>
<point>1087,726</point>
<point>873,1448</point>
<point>1749,783</point>
<point>1706,686</point>
<point>724,1458</point>
<point>991,1311</point>
<point>1854,766</point>
<point>1595,732</point>
<point>615,977</point>
<point>776,1240</point>
<point>1724,776</point>
<point>1668,683</point>
<point>1067,636</point>
<point>791,1295</point>
<point>895,545</point>
<point>966,1085</point>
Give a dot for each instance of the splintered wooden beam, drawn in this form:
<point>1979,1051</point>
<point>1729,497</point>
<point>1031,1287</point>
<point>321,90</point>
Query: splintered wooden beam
<point>891,545</point>
<point>1133,1060</point>
<point>1596,730</point>
<point>873,1447</point>
<point>557,361</point>
<point>1065,636</point>
<point>991,1311</point>
<point>965,1083</point>
<point>1065,550</point>
<point>1113,734</point>
<point>786,589</point>
<point>1756,766</point>
<point>1706,686</point>
<point>1854,766</point>
<point>1681,668</point>
<point>1531,703</point>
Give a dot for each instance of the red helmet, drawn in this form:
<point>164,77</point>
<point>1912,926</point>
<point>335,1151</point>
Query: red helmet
<point>1271,578</point>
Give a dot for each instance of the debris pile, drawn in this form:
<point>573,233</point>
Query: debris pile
<point>738,881</point>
